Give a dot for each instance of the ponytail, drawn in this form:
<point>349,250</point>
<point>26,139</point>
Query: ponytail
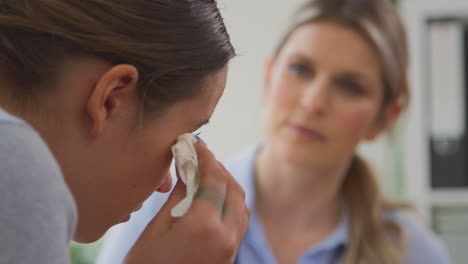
<point>373,239</point>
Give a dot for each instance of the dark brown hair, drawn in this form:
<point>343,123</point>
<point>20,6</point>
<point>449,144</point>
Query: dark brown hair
<point>174,44</point>
<point>373,238</point>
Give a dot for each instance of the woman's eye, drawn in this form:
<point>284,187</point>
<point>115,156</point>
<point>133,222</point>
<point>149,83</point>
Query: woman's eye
<point>299,69</point>
<point>352,88</point>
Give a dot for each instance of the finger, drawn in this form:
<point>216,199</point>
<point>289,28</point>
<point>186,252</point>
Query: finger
<point>212,188</point>
<point>211,195</point>
<point>232,184</point>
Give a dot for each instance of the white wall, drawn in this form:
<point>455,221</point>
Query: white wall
<point>254,26</point>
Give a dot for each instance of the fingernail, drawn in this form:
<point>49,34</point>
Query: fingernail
<point>200,141</point>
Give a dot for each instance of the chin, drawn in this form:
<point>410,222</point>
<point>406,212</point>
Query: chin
<point>301,155</point>
<point>298,160</point>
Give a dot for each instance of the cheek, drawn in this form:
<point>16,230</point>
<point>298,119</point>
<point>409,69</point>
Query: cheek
<point>150,160</point>
<point>281,92</point>
<point>278,105</point>
<point>156,161</point>
<point>281,98</point>
<point>355,122</point>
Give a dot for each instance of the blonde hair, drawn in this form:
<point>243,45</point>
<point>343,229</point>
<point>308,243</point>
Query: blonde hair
<point>373,239</point>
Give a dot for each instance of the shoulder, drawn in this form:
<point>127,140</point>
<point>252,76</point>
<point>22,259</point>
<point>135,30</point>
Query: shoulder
<point>242,168</point>
<point>423,246</point>
<point>25,158</point>
<point>37,206</point>
<point>241,157</point>
<point>242,162</point>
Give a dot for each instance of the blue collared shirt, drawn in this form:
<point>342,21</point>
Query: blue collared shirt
<point>423,247</point>
<point>254,248</point>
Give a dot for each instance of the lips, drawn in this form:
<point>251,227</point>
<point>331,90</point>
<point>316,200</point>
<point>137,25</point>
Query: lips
<point>306,132</point>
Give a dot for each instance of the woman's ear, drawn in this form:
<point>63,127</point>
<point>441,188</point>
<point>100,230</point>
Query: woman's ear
<point>113,88</point>
<point>387,118</point>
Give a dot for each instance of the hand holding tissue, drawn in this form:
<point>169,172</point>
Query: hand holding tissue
<point>186,162</point>
<point>218,216</point>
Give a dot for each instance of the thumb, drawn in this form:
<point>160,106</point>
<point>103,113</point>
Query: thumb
<point>164,219</point>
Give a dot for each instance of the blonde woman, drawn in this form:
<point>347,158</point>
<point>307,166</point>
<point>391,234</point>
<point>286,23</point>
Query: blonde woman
<point>337,78</point>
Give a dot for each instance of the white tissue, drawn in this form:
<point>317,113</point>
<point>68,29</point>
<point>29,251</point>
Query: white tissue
<point>186,163</point>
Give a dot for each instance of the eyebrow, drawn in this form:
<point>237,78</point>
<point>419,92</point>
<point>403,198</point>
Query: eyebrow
<point>300,56</point>
<point>357,75</point>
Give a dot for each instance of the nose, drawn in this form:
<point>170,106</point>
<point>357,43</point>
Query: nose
<point>315,98</point>
<point>166,184</point>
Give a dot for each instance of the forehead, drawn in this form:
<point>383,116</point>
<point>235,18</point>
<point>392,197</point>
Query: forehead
<point>213,88</point>
<point>337,45</point>
<point>200,108</point>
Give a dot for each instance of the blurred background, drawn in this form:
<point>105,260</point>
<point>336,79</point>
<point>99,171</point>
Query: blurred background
<point>424,160</point>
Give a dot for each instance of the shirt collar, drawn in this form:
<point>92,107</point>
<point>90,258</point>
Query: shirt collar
<point>339,237</point>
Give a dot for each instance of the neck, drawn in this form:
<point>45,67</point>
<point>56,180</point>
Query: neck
<point>10,103</point>
<point>42,120</point>
<point>297,196</point>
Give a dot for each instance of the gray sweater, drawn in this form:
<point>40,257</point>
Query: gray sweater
<point>37,211</point>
